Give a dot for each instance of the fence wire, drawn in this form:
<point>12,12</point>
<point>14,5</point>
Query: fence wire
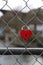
<point>11,43</point>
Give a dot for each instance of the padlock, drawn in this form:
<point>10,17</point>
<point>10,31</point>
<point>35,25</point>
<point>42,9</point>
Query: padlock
<point>25,33</point>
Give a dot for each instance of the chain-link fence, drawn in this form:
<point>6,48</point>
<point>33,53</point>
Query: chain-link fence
<point>11,23</point>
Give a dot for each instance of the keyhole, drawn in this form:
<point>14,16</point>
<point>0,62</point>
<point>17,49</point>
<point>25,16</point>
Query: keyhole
<point>26,35</point>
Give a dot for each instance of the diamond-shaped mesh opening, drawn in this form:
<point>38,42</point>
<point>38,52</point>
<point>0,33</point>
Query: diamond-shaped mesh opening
<point>2,24</point>
<point>16,23</point>
<point>40,12</point>
<point>8,16</point>
<point>25,17</point>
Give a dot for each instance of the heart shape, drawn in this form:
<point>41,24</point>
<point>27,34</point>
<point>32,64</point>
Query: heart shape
<point>25,34</point>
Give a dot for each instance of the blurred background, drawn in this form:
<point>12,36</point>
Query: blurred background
<point>22,60</point>
<point>14,16</point>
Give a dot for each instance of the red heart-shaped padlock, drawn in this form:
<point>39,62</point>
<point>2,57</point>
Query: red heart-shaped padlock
<point>26,34</point>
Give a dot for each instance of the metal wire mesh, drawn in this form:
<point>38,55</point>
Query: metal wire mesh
<point>10,42</point>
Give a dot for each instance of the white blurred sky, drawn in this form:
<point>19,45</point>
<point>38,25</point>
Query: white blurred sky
<point>19,4</point>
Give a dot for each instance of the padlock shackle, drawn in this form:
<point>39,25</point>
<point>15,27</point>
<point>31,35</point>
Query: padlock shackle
<point>26,26</point>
